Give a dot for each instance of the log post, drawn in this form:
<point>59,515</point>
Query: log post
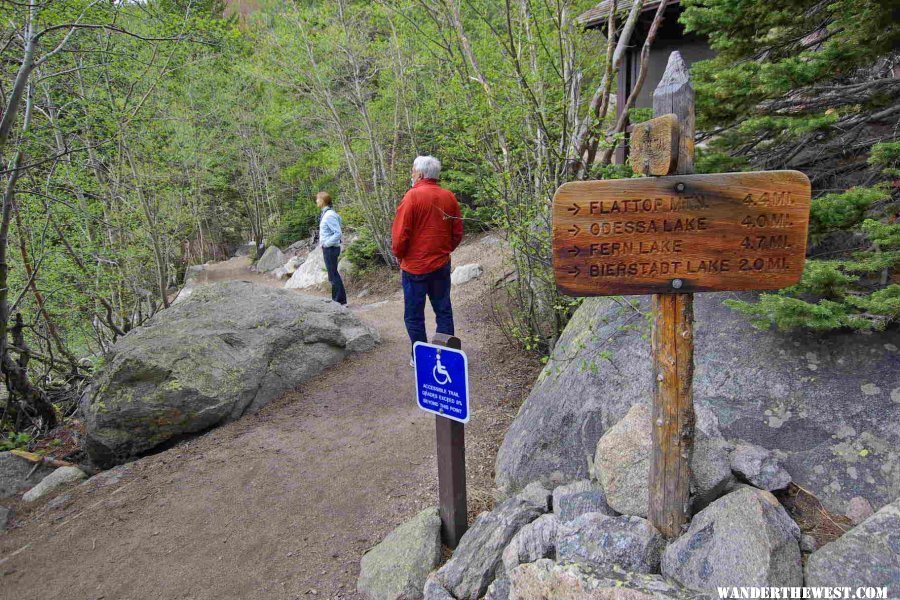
<point>673,342</point>
<point>451,462</point>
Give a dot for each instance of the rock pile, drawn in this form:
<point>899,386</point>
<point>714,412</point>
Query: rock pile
<point>590,538</point>
<point>820,407</point>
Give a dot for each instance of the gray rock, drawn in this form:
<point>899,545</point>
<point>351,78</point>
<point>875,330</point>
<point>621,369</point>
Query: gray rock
<point>535,540</point>
<point>193,272</point>
<point>631,543</point>
<point>547,580</point>
<point>760,467</point>
<point>824,400</point>
<point>434,589</point>
<point>808,544</point>
<point>573,487</point>
<point>499,590</point>
<point>622,462</point>
<point>14,474</point>
<point>311,273</point>
<point>537,493</point>
<point>5,517</point>
<point>745,538</point>
<point>623,458</point>
<point>859,509</point>
<point>245,250</point>
<point>55,480</point>
<point>229,349</point>
<point>396,569</point>
<point>575,499</point>
<point>711,475</point>
<point>465,273</point>
<point>867,555</point>
<point>271,259</point>
<point>475,562</point>
<point>291,266</point>
<point>60,502</point>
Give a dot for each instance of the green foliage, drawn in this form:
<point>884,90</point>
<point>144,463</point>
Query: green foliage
<point>482,218</point>
<point>296,223</point>
<point>14,441</point>
<point>363,251</point>
<point>790,88</point>
<point>844,210</point>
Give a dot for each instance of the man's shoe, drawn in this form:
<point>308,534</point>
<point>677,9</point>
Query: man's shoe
<point>412,363</point>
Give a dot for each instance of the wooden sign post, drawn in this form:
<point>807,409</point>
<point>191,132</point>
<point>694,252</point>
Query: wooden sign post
<point>451,462</point>
<point>670,236</point>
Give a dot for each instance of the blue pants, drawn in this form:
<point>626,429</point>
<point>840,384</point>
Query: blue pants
<point>436,286</point>
<point>331,254</point>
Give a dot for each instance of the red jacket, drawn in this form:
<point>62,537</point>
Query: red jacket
<point>427,228</point>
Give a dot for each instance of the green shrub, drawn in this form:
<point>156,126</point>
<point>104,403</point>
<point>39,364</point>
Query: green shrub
<point>296,223</point>
<point>363,251</point>
<point>482,218</point>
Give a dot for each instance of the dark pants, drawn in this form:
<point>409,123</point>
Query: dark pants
<point>338,294</point>
<point>436,286</point>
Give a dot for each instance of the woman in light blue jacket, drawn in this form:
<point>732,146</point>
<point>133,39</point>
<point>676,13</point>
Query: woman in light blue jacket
<point>330,240</point>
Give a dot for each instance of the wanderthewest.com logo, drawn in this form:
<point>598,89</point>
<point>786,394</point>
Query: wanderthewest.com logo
<point>802,592</point>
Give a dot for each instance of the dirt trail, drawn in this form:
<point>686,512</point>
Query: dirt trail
<point>281,504</point>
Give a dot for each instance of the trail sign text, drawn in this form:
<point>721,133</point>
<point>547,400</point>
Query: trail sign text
<point>682,233</point>
<point>442,381</point>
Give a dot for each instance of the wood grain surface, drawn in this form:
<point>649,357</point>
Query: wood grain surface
<point>682,233</point>
<point>654,146</point>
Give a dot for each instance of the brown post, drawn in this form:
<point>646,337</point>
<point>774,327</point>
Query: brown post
<point>451,460</point>
<point>673,342</point>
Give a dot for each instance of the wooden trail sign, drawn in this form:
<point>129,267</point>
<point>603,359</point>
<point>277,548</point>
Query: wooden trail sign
<point>670,236</point>
<point>686,233</point>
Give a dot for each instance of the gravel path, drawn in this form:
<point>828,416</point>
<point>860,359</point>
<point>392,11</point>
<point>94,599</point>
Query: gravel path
<point>281,504</point>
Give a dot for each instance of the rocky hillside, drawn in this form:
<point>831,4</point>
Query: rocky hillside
<point>825,404</point>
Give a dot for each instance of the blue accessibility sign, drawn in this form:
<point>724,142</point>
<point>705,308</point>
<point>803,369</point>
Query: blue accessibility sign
<point>442,381</point>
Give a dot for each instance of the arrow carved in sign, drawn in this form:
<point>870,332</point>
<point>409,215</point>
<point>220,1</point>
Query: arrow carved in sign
<point>574,209</point>
<point>574,251</point>
<point>574,271</point>
<point>574,230</point>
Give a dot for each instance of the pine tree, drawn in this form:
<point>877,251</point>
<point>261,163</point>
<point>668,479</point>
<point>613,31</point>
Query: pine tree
<point>812,85</point>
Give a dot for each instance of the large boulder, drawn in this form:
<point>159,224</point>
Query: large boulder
<point>227,350</point>
<point>476,560</point>
<point>574,581</point>
<point>630,543</point>
<point>827,401</point>
<point>18,474</point>
<point>396,569</point>
<point>745,538</point>
<point>272,259</point>
<point>311,273</point>
<point>868,555</point>
<point>622,462</point>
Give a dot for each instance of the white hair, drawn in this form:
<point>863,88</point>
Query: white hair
<point>428,166</point>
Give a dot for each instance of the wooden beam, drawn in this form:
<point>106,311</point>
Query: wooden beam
<point>673,343</point>
<point>451,459</point>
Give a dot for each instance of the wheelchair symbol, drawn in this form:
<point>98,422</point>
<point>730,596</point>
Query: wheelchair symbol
<point>441,370</point>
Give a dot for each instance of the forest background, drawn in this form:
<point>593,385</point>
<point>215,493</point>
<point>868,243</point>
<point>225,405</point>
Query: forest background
<point>139,138</point>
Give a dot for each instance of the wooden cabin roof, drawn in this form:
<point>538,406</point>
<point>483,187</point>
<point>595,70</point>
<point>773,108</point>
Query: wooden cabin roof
<point>597,16</point>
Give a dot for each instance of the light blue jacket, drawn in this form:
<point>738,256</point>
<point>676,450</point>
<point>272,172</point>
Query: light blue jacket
<point>329,228</point>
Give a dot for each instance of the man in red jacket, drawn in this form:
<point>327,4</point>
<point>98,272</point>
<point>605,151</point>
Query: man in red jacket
<point>427,228</point>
